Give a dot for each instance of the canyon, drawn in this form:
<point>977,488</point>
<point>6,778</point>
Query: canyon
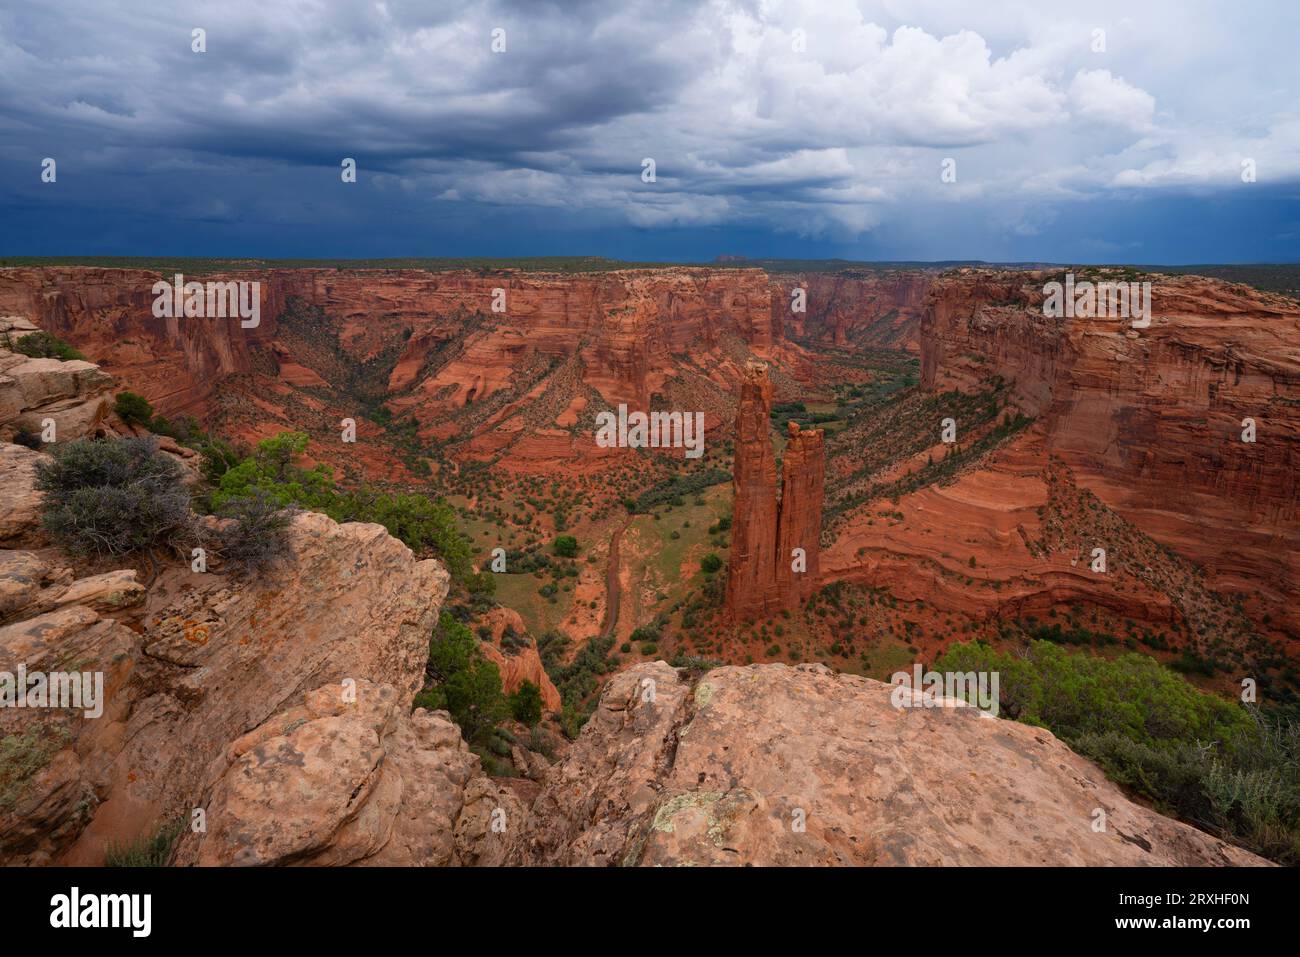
<point>1070,436</point>
<point>1151,421</point>
<point>290,737</point>
<point>1147,421</point>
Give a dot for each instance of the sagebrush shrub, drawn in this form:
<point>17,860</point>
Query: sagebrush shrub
<point>255,539</point>
<point>111,497</point>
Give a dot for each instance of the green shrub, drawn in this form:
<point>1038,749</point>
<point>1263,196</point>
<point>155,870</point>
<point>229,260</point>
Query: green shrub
<point>133,408</point>
<point>43,345</point>
<point>23,756</point>
<point>566,546</point>
<point>710,563</point>
<point>468,685</point>
<point>219,457</point>
<point>539,742</point>
<point>111,497</point>
<point>424,525</point>
<point>671,490</point>
<point>271,469</point>
<point>1209,761</point>
<point>526,704</point>
<point>578,681</point>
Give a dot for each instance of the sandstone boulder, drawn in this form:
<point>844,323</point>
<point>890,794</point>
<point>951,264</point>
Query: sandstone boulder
<point>20,506</point>
<point>348,777</point>
<point>75,394</point>
<point>31,585</point>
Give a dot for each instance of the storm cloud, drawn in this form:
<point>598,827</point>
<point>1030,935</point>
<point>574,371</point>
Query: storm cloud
<point>1075,132</point>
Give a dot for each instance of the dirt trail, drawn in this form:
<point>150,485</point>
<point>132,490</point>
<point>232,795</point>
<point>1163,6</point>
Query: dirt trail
<point>613,589</point>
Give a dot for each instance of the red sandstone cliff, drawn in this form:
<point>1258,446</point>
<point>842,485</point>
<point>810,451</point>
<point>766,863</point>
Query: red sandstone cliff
<point>1151,420</point>
<point>875,310</point>
<point>627,326</point>
<point>760,578</point>
<point>429,345</point>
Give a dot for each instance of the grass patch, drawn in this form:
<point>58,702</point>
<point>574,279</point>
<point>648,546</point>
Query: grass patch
<point>148,850</point>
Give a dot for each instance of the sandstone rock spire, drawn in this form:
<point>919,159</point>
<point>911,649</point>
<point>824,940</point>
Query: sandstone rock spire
<point>799,516</point>
<point>761,580</point>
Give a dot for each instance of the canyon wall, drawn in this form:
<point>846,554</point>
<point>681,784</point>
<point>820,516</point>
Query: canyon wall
<point>1151,419</point>
<point>108,315</point>
<point>632,330</point>
<point>881,309</point>
<point>628,328</point>
<point>760,577</point>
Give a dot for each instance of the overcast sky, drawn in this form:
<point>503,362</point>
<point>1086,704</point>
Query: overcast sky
<point>1078,132</point>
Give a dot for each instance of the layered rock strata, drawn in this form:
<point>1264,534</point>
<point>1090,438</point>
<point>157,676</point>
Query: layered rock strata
<point>1152,420</point>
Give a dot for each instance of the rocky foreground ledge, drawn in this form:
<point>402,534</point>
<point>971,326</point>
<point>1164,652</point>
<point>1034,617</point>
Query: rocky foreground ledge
<point>762,765</point>
<point>778,765</point>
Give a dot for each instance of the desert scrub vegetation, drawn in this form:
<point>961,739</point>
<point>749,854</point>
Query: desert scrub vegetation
<point>461,681</point>
<point>135,409</point>
<point>43,345</point>
<point>153,849</point>
<point>1230,769</point>
<point>676,487</point>
<point>526,704</point>
<point>423,524</point>
<point>579,681</point>
<point>254,539</point>
<point>113,497</point>
<point>23,756</point>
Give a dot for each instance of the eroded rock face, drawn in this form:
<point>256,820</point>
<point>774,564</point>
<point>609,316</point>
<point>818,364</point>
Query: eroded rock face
<point>212,658</point>
<point>761,575</point>
<point>62,760</point>
<point>773,765</point>
<point>349,777</point>
<point>20,506</point>
<point>75,395</point>
<point>609,778</point>
<point>1151,420</point>
<point>517,661</point>
<point>628,328</point>
<point>879,310</point>
<point>30,584</point>
<point>320,658</point>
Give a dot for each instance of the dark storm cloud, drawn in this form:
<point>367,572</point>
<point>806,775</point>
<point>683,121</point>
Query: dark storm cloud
<point>823,122</point>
